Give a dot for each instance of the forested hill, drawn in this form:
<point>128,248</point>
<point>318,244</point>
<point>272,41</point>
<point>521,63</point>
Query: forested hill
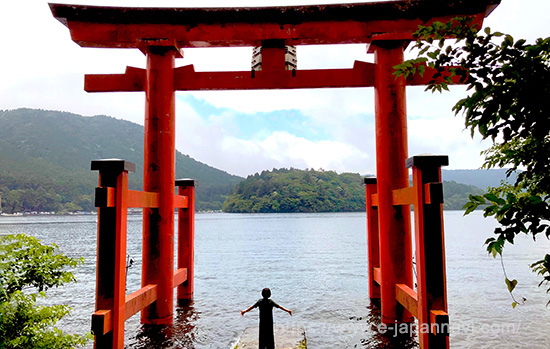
<point>45,161</point>
<point>291,190</point>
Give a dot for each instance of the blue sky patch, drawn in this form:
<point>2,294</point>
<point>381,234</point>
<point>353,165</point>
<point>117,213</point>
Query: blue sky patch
<point>261,125</point>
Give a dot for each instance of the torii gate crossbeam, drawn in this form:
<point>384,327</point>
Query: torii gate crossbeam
<point>161,34</point>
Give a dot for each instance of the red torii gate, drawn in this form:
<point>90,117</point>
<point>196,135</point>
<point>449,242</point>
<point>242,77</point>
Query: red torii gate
<point>161,34</point>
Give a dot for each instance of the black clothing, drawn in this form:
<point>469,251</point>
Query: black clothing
<point>266,305</point>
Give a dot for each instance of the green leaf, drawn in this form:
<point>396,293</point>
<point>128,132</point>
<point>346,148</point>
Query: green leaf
<point>421,70</point>
<point>469,207</point>
<point>519,43</point>
<point>491,197</point>
<point>477,198</point>
<point>424,50</point>
<point>533,200</point>
<point>511,284</point>
<point>514,304</point>
<point>489,240</point>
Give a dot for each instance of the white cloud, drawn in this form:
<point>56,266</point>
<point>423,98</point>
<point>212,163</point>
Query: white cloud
<point>282,149</point>
<point>214,139</point>
<point>521,19</point>
<point>446,136</point>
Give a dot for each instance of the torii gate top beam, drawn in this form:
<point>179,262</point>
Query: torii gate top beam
<point>124,27</point>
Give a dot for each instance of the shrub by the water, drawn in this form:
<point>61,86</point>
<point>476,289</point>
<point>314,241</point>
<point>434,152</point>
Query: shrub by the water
<point>28,269</point>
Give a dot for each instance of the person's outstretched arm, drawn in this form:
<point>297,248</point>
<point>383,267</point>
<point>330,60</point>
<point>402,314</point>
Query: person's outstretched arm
<point>285,309</point>
<point>247,310</point>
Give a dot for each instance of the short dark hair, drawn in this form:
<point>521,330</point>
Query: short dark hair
<point>266,293</point>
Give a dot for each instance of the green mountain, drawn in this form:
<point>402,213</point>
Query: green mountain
<point>291,190</point>
<point>45,161</point>
<point>478,178</point>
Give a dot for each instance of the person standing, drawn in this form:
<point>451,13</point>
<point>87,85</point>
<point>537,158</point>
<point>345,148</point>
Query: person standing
<point>266,305</point>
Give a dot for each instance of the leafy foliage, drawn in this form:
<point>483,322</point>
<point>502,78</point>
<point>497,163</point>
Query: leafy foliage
<point>25,262</point>
<point>509,104</point>
<point>45,161</point>
<point>542,268</point>
<point>28,269</point>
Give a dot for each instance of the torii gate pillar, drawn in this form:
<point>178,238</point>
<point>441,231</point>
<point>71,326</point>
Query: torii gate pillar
<point>391,153</point>
<point>159,176</point>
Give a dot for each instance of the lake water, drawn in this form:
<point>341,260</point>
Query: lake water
<point>315,264</point>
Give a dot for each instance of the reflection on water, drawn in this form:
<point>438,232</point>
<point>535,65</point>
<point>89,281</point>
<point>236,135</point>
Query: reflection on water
<point>315,264</point>
<point>183,333</point>
<point>386,340</point>
<point>180,335</point>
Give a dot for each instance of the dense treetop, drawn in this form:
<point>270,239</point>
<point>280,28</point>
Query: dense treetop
<point>291,190</point>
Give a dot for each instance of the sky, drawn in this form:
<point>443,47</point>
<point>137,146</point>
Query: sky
<point>242,132</point>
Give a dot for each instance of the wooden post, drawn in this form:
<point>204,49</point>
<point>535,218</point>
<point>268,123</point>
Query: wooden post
<point>186,237</point>
<point>111,249</point>
<point>159,176</point>
<point>373,241</point>
<point>391,153</point>
<point>430,250</point>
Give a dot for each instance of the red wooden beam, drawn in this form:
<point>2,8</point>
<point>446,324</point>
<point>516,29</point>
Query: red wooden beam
<point>408,298</point>
<point>142,199</point>
<point>93,26</point>
<point>135,302</point>
<point>187,79</point>
<point>105,197</point>
<point>433,194</point>
<point>439,322</point>
<point>361,75</point>
<point>181,201</point>
<point>102,322</point>
<point>374,199</point>
<point>180,276</point>
<point>138,300</point>
<point>132,81</point>
<point>404,196</point>
<point>377,275</point>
